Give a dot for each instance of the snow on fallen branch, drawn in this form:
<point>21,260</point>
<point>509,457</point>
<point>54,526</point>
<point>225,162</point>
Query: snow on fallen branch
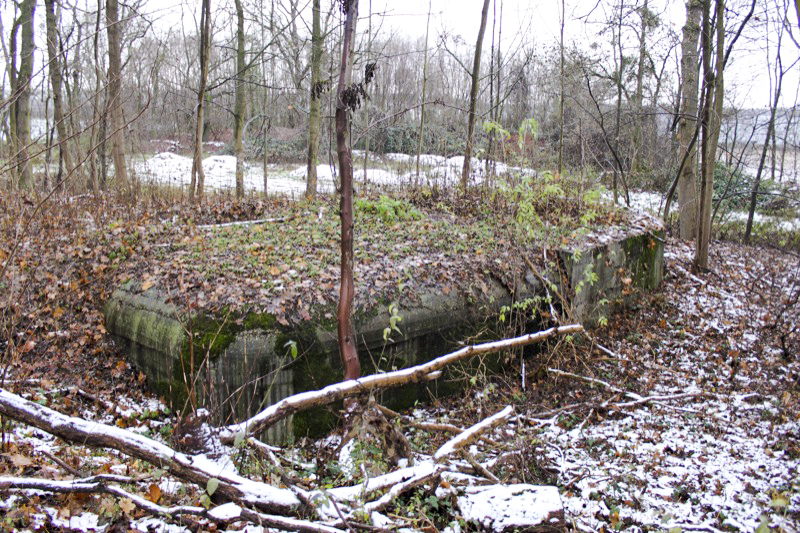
<point>240,223</point>
<point>637,399</point>
<point>338,391</point>
<point>470,434</point>
<point>90,487</point>
<point>197,469</point>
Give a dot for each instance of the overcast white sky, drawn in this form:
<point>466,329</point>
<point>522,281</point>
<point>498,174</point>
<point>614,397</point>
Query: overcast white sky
<point>746,78</point>
<point>538,21</point>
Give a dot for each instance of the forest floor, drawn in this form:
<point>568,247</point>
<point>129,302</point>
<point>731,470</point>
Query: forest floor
<point>681,413</point>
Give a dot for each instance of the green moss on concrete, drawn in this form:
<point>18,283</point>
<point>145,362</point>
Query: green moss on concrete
<point>644,253</point>
<point>263,321</point>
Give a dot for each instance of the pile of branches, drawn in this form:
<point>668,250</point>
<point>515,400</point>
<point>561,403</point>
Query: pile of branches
<point>244,500</point>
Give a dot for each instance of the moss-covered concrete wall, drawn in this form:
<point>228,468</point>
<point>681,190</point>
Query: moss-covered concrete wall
<point>240,364</point>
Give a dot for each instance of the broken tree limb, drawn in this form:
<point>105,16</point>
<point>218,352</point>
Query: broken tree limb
<point>193,468</point>
<point>338,391</point>
<point>479,468</point>
<point>470,434</point>
<point>637,399</point>
<point>593,381</point>
<point>98,487</point>
<point>398,489</point>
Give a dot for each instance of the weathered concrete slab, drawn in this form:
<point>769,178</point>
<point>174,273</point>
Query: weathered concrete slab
<point>241,364</point>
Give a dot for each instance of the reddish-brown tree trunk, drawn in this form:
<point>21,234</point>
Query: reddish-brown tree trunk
<point>347,341</point>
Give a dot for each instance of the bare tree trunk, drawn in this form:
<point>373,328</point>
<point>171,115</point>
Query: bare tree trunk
<point>473,98</point>
<point>347,340</point>
<point>99,113</point>
<point>421,133</point>
<point>114,96</point>
<point>366,101</point>
<point>687,188</point>
<point>13,79</point>
<point>638,141</point>
<point>56,70</point>
<point>197,184</point>
<point>712,114</point>
<point>561,92</point>
<point>315,112</point>
<point>239,111</point>
<point>618,113</point>
<point>23,101</point>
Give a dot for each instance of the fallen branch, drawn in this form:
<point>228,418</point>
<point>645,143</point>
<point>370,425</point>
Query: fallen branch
<point>339,391</point>
<point>482,470</point>
<point>470,434</point>
<point>241,223</point>
<point>193,468</point>
<point>593,381</point>
<point>98,487</point>
<point>400,488</point>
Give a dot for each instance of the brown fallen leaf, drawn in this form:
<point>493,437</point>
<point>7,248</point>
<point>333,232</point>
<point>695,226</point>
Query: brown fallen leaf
<point>127,506</point>
<point>153,493</point>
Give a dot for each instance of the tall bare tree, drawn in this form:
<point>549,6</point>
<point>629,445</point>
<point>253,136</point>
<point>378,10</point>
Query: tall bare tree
<point>473,97</point>
<point>687,181</point>
<point>711,116</point>
<point>317,89</point>
<point>115,95</point>
<point>23,95</point>
<point>56,70</point>
<point>240,106</point>
<point>345,100</point>
<point>197,183</point>
<point>421,133</point>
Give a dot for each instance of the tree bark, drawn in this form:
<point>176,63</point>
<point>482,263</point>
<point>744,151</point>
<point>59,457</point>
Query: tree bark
<point>712,114</point>
<point>11,70</point>
<point>56,70</point>
<point>115,96</point>
<point>239,111</point>
<point>346,334</point>
<point>421,133</point>
<point>638,140</point>
<point>315,111</point>
<point>561,91</point>
<point>232,486</point>
<point>197,184</point>
<point>687,181</point>
<point>23,95</point>
<point>473,98</point>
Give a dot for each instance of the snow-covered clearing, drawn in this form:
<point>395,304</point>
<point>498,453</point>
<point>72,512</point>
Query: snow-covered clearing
<point>390,170</point>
